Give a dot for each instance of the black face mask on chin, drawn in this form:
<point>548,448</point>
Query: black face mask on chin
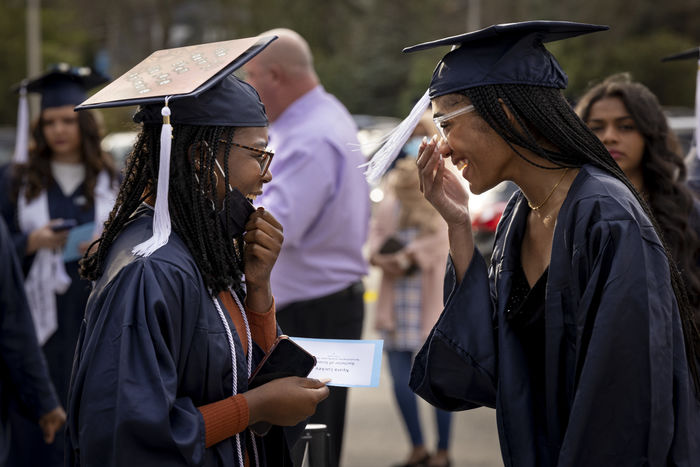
<point>235,213</point>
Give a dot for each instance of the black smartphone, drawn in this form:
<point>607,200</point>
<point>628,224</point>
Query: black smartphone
<point>65,224</point>
<point>285,358</point>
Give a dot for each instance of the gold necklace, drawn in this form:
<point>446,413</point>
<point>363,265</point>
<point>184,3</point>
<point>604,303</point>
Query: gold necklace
<point>536,208</point>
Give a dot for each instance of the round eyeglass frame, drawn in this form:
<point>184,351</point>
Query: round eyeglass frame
<point>264,155</point>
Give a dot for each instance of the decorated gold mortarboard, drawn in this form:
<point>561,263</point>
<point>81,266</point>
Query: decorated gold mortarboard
<point>191,85</point>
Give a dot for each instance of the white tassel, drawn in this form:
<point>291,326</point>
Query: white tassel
<point>21,141</point>
<point>395,140</point>
<point>161,216</point>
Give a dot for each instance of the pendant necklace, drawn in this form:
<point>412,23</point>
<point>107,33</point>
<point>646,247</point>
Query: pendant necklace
<point>536,208</point>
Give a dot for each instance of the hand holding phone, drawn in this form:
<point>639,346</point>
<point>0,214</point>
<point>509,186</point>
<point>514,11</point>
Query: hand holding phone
<point>51,235</point>
<point>285,358</point>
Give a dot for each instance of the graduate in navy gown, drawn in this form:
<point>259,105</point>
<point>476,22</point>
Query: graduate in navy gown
<point>64,176</point>
<point>23,372</point>
<point>181,310</point>
<point>579,334</point>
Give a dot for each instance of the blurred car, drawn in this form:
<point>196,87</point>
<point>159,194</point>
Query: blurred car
<point>371,130</point>
<point>682,121</point>
<point>119,144</point>
<point>486,210</point>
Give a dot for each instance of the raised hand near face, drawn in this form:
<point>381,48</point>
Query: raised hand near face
<point>263,242</point>
<point>443,189</point>
<point>440,186</point>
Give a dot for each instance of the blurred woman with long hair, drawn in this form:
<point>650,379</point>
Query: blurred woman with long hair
<point>627,117</point>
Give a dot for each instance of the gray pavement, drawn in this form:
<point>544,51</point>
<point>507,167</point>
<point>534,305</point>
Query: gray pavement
<point>374,432</point>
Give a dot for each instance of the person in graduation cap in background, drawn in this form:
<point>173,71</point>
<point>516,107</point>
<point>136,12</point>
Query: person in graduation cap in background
<point>181,309</point>
<point>629,120</point>
<point>65,175</point>
<point>579,334</point>
<point>693,155</point>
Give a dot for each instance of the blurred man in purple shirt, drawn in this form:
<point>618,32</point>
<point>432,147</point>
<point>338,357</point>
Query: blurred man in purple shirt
<point>321,198</point>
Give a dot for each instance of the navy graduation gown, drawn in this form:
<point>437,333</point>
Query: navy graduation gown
<point>23,372</point>
<point>617,390</point>
<point>151,350</point>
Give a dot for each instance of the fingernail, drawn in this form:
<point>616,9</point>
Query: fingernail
<point>425,140</point>
<point>260,208</point>
<point>325,380</point>
<point>435,137</point>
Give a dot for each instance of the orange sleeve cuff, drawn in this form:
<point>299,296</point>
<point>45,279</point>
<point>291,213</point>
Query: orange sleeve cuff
<point>224,418</point>
<point>263,327</point>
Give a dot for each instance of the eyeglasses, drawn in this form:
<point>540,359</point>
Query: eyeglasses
<point>438,121</point>
<point>264,156</point>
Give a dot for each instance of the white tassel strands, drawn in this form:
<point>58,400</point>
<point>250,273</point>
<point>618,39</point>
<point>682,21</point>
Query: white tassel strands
<point>161,216</point>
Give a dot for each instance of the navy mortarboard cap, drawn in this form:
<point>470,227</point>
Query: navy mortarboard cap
<point>191,85</point>
<point>692,54</point>
<point>512,53</point>
<point>62,84</point>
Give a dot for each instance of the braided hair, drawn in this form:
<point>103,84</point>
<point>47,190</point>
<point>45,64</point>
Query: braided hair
<point>193,182</point>
<point>663,170</point>
<point>544,114</point>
